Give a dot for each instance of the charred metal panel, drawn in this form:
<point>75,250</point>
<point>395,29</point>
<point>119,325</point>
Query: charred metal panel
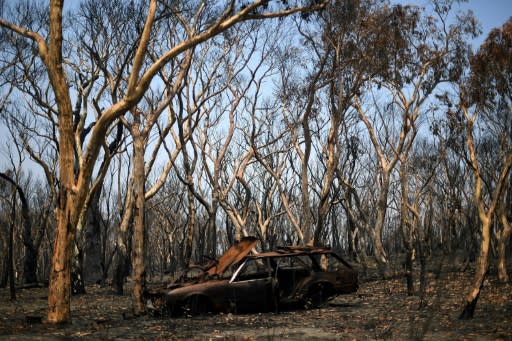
<point>234,254</point>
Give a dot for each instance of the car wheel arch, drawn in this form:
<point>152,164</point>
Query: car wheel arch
<point>197,304</point>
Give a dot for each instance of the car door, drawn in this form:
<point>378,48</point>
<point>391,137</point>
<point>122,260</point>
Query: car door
<point>251,286</point>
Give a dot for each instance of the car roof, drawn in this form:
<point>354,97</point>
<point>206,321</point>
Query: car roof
<point>287,251</point>
<point>295,251</point>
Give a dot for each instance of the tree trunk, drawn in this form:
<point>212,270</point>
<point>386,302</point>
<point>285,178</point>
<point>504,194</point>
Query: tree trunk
<point>68,202</point>
<point>211,244</point>
<point>382,205</point>
<point>351,236</point>
<point>355,224</point>
<point>422,245</point>
<point>4,276</point>
<point>30,266</point>
<point>30,261</point>
<point>59,289</point>
<point>481,270</point>
<point>409,273</point>
<point>77,273</point>
<point>331,164</point>
<point>191,223</point>
<point>503,241</point>
<point>92,260</point>
<point>121,262</point>
<point>407,228</point>
<point>304,184</point>
<point>485,213</point>
<point>10,262</point>
<point>138,271</point>
<point>423,268</point>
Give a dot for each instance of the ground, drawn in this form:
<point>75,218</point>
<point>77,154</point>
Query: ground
<point>380,310</point>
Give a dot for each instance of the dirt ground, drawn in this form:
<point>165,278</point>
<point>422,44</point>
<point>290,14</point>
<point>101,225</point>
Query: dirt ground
<point>380,310</point>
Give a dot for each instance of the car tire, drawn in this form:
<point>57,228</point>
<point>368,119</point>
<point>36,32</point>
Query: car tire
<point>316,297</point>
<point>197,305</point>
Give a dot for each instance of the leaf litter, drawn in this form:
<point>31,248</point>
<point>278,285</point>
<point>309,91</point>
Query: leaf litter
<point>380,310</point>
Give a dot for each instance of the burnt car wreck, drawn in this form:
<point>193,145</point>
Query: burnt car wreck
<point>244,281</point>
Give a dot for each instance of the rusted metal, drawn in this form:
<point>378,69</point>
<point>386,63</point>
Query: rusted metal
<point>241,280</point>
<point>233,255</point>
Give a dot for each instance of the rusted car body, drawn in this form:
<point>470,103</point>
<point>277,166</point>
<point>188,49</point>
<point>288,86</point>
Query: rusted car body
<point>245,281</point>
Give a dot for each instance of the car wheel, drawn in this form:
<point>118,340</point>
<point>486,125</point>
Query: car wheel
<point>316,297</point>
<point>197,305</point>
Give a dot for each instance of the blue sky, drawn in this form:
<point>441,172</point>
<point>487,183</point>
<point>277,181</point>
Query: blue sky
<point>490,13</point>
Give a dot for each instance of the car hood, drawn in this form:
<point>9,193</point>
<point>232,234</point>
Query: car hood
<point>233,255</point>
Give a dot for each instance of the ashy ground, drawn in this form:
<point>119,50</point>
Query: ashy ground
<point>380,310</point>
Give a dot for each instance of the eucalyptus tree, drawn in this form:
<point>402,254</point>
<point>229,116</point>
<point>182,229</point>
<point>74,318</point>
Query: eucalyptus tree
<point>345,50</point>
<point>49,40</point>
<point>104,50</point>
<point>35,117</point>
<point>486,106</point>
<point>28,118</point>
<point>417,51</point>
<point>491,70</point>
